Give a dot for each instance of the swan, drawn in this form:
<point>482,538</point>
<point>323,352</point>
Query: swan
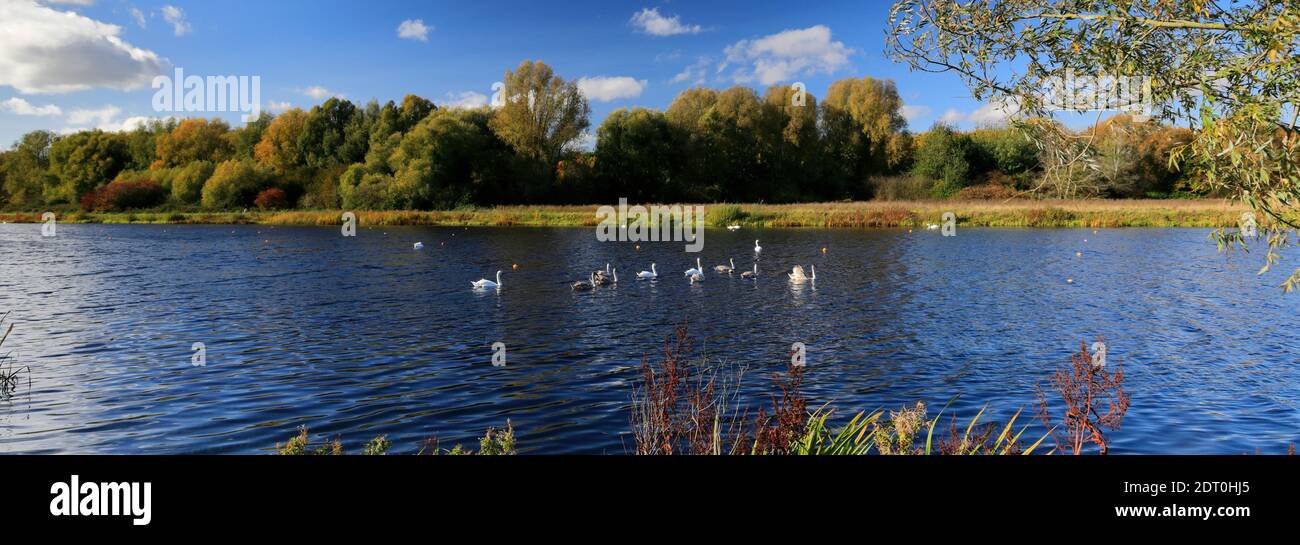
<point>733,227</point>
<point>750,274</point>
<point>797,274</point>
<point>726,269</point>
<point>419,246</point>
<point>602,275</point>
<point>603,280</point>
<point>932,226</point>
<point>757,248</point>
<point>697,270</point>
<point>650,274</point>
<point>486,284</point>
<point>697,276</point>
<point>584,285</point>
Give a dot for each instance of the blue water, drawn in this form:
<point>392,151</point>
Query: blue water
<point>363,336</point>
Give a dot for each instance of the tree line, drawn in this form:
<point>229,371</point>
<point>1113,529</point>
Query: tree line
<point>734,145</point>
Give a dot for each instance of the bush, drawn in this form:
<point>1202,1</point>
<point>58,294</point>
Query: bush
<point>234,184</point>
<point>272,199</point>
<point>124,195</point>
<point>901,188</point>
<point>943,157</point>
<point>187,181</point>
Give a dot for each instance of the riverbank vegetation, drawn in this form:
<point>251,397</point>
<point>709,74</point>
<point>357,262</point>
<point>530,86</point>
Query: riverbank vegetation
<point>781,145</point>
<point>494,443</point>
<point>683,405</point>
<point>11,372</point>
<point>873,214</point>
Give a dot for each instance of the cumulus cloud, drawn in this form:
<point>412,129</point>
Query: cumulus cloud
<point>19,106</point>
<point>466,100</point>
<point>319,93</point>
<point>651,22</point>
<point>176,17</point>
<point>414,29</point>
<point>606,88</point>
<point>45,50</point>
<point>693,74</point>
<point>914,112</point>
<point>786,55</point>
<point>997,112</point>
<point>98,117</point>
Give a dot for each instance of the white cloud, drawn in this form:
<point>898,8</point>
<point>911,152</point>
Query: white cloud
<point>912,113</point>
<point>466,100</point>
<point>73,2</point>
<point>317,92</point>
<point>98,117</point>
<point>606,88</point>
<point>787,54</point>
<point>176,16</point>
<point>693,74</point>
<point>651,22</point>
<point>19,106</point>
<point>585,142</point>
<point>414,29</point>
<point>997,112</point>
<point>273,106</point>
<point>45,50</point>
<point>139,17</point>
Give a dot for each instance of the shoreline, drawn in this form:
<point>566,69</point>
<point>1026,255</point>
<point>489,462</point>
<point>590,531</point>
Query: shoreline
<point>1211,213</point>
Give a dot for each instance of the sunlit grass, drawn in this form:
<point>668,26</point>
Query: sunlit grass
<point>874,214</point>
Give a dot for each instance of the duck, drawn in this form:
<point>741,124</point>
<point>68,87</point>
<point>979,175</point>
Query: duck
<point>697,270</point>
<point>750,274</point>
<point>485,284</point>
<point>726,269</point>
<point>584,285</point>
<point>648,275</point>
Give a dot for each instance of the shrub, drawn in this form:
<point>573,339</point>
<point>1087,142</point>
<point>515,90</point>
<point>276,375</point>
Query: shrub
<point>187,181</point>
<point>124,195</point>
<point>272,199</point>
<point>942,157</point>
<point>901,188</point>
<point>1094,398</point>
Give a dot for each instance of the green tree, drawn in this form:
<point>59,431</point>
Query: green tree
<point>636,157</point>
<point>26,170</point>
<point>84,161</point>
<point>542,114</point>
<point>864,133</point>
<point>941,156</point>
<point>234,184</point>
<point>244,140</point>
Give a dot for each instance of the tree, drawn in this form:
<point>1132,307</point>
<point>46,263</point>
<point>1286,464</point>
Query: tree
<point>941,156</point>
<point>244,140</point>
<point>279,149</point>
<point>234,184</point>
<point>195,139</point>
<point>334,133</point>
<point>84,161</point>
<point>790,125</point>
<point>24,173</point>
<point>864,133</point>
<point>636,157</point>
<point>541,114</point>
<point>1226,70</point>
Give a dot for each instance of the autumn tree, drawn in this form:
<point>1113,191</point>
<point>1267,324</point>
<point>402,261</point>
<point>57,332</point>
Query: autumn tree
<point>195,139</point>
<point>279,149</point>
<point>84,161</point>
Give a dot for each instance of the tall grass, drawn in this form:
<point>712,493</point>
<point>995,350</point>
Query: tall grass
<point>10,371</point>
<point>914,211</point>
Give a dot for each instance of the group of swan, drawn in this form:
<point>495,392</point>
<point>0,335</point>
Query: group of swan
<point>609,276</point>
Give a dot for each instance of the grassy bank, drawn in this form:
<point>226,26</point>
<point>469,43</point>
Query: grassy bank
<point>1014,213</point>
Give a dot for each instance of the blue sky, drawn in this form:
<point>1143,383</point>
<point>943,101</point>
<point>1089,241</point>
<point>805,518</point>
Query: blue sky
<point>632,53</point>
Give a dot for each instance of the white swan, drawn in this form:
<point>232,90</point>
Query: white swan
<point>757,248</point>
<point>419,246</point>
<point>604,280</point>
<point>697,270</point>
<point>726,269</point>
<point>697,277</point>
<point>486,284</point>
<point>733,227</point>
<point>583,285</point>
<point>750,274</point>
<point>650,274</point>
<point>797,274</point>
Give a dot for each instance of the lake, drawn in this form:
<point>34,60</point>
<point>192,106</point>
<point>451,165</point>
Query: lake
<point>361,336</point>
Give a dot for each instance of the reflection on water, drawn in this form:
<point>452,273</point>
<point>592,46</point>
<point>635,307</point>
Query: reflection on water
<point>364,336</point>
